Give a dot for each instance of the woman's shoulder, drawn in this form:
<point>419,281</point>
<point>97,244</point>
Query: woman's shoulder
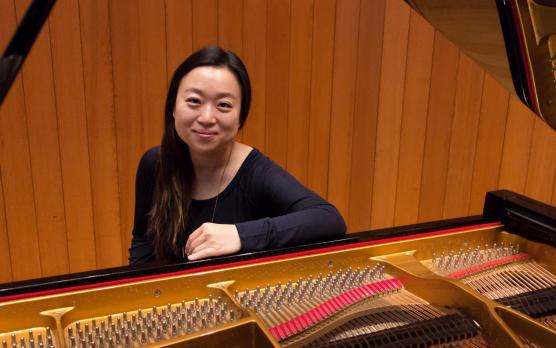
<point>254,161</point>
<point>149,160</point>
<point>151,155</point>
<point>258,169</point>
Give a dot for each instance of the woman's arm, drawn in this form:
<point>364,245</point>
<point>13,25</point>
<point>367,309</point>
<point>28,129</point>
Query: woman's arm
<point>296,215</point>
<point>141,249</point>
<point>290,214</point>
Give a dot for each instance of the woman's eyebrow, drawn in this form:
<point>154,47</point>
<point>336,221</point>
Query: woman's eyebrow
<point>219,95</point>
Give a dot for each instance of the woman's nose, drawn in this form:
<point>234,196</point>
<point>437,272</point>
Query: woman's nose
<point>206,114</point>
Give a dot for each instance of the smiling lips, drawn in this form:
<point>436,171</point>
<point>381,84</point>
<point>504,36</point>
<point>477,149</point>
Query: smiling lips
<point>204,134</point>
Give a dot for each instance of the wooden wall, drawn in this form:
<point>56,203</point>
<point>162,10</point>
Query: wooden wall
<point>362,100</point>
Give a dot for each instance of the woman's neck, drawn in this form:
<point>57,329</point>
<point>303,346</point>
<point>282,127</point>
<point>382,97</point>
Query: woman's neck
<point>211,163</point>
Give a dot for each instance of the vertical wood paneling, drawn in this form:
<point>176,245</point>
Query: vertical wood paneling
<point>72,125</point>
<point>554,192</point>
<point>17,180</point>
<point>141,87</point>
<point>254,57</point>
<point>101,131</point>
<point>205,23</point>
<point>299,88</point>
<point>321,95</point>
<point>5,262</point>
<point>362,100</point>
<point>230,30</point>
<point>40,107</point>
<point>517,147</point>
<point>439,127</point>
<point>230,25</point>
<point>490,141</point>
<point>464,137</point>
<point>392,82</point>
<point>125,21</point>
<point>343,91</point>
<point>152,36</point>
<point>369,60</point>
<point>277,83</point>
<point>17,187</point>
<point>179,25</point>
<point>542,164</point>
<point>414,119</point>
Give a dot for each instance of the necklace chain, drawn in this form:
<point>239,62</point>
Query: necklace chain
<point>220,184</point>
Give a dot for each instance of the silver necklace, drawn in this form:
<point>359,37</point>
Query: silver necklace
<point>220,184</point>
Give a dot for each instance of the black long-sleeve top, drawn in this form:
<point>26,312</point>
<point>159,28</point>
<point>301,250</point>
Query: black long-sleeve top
<point>269,207</point>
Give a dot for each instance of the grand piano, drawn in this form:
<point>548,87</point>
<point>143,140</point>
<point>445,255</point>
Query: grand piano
<point>479,281</point>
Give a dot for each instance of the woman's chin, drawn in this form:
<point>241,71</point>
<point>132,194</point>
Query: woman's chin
<point>207,147</point>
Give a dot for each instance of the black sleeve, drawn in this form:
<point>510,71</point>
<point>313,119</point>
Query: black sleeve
<point>141,249</point>
<point>296,214</point>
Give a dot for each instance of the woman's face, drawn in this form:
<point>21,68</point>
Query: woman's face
<point>206,115</point>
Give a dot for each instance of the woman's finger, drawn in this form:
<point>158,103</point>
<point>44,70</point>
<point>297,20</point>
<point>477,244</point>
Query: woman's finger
<point>202,253</point>
<point>202,238</point>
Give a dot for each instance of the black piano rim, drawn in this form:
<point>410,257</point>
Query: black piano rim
<point>72,281</point>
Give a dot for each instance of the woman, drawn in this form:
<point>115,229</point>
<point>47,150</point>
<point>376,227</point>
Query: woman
<point>201,193</point>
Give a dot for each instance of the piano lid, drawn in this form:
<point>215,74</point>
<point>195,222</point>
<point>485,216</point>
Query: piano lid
<point>21,43</point>
<point>514,40</point>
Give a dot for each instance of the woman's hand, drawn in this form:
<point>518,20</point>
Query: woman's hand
<point>212,240</point>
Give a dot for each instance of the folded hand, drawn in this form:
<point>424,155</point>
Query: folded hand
<point>212,239</point>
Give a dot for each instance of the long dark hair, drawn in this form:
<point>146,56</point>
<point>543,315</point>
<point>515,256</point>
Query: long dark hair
<point>174,178</point>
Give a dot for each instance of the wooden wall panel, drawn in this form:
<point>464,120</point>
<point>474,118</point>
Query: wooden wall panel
<point>125,21</point>
<point>83,247</point>
<point>463,138</point>
<point>230,25</point>
<point>321,95</point>
<point>152,48</point>
<point>439,128</point>
<point>17,180</point>
<point>517,147</point>
<point>414,119</point>
<point>205,23</point>
<point>101,131</point>
<point>389,120</point>
<point>542,163</point>
<point>43,133</point>
<point>277,79</point>
<point>490,142</point>
<point>230,30</point>
<point>179,25</point>
<point>5,262</point>
<point>343,89</point>
<point>367,85</point>
<point>554,193</point>
<point>254,57</point>
<point>362,100</point>
<point>553,202</point>
<point>299,88</point>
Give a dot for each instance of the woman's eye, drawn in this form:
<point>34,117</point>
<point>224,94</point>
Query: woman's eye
<point>193,101</point>
<point>224,105</point>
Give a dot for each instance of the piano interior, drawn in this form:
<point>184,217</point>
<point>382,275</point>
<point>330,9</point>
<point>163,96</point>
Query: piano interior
<point>477,285</point>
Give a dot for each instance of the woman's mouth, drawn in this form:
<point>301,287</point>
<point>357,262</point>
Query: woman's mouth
<point>203,134</point>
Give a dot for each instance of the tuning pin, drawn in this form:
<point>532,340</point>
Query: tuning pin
<point>143,337</point>
<point>48,338</point>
